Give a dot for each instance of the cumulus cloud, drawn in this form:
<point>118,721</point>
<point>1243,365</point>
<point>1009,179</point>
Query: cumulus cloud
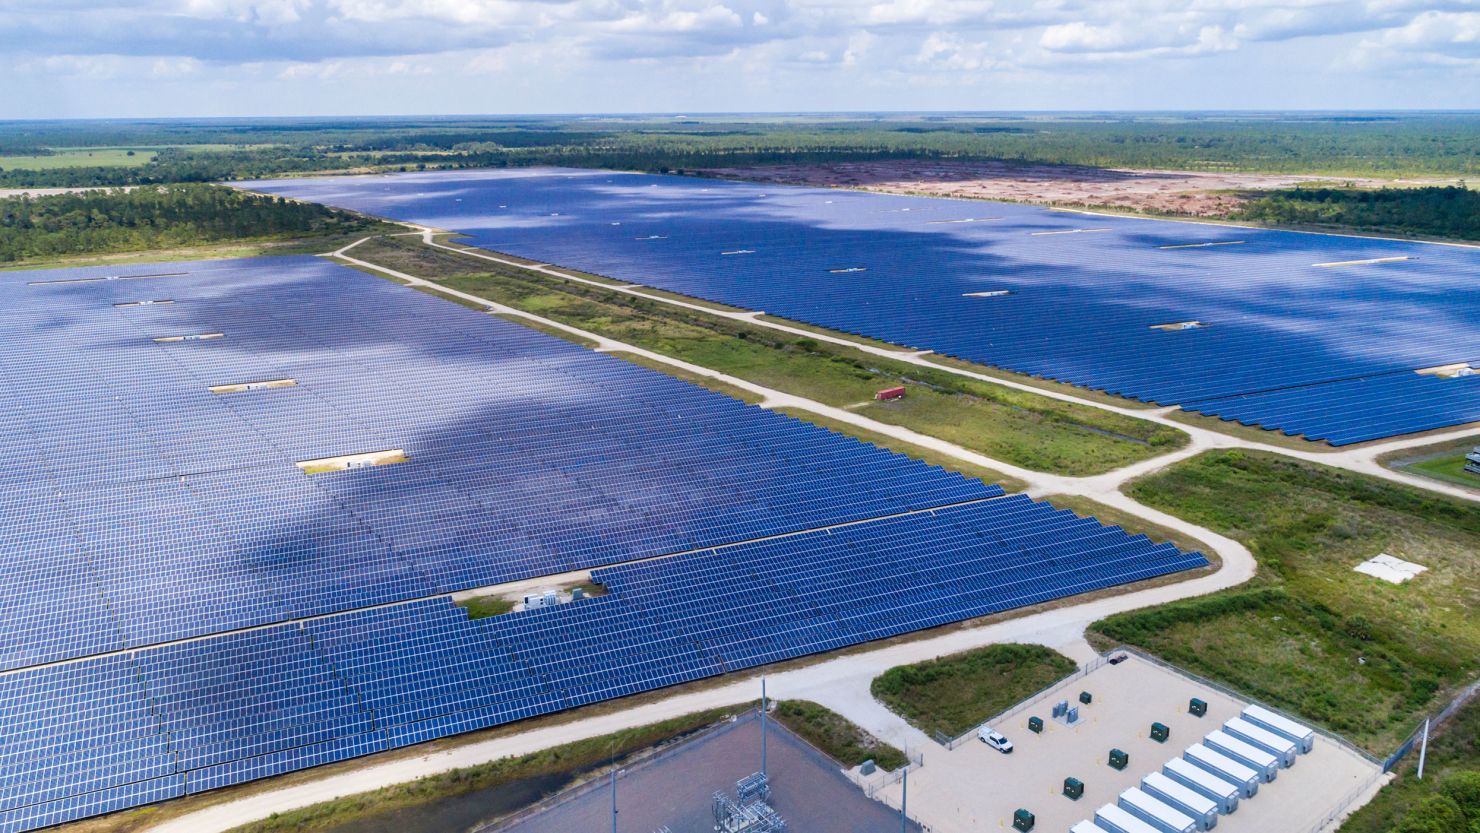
<point>882,46</point>
<point>1123,41</point>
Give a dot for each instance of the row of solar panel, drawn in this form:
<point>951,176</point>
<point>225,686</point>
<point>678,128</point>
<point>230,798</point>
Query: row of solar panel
<point>197,715</point>
<point>1286,310</point>
<point>167,511</point>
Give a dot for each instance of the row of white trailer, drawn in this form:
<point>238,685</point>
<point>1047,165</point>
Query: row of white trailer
<point>1191,792</point>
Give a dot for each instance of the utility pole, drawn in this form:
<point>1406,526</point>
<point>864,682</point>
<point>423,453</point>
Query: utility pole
<point>614,794</point>
<point>763,728</point>
<point>1423,751</point>
<point>904,797</point>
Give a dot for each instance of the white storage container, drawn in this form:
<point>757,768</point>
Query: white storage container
<point>1115,820</point>
<point>1203,810</point>
<point>1155,812</point>
<point>1277,745</point>
<point>1267,765</point>
<point>1283,726</point>
<point>1204,783</point>
<point>1235,773</point>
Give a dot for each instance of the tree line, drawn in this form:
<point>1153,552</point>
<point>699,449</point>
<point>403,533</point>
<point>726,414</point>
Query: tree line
<point>204,152</point>
<point>1440,212</point>
<point>155,217</point>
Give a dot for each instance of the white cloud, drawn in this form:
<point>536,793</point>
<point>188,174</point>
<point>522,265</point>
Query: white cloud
<point>946,51</point>
<point>783,53</point>
<point>267,12</point>
<point>1432,40</point>
<point>859,44</point>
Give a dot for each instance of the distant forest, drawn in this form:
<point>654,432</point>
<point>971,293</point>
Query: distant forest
<point>1421,144</point>
<point>116,220</point>
<point>1328,144</point>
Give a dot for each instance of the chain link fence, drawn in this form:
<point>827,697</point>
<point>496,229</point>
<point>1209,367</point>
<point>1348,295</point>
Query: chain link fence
<point>1434,722</point>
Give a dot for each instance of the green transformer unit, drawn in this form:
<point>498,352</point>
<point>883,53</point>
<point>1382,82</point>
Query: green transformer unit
<point>1023,820</point>
<point>1035,725</point>
<point>1197,708</point>
<point>1074,788</point>
<point>1160,732</point>
<point>1085,697</point>
<point>1119,759</point>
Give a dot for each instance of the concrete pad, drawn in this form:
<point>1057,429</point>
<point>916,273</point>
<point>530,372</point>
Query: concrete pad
<point>973,788</point>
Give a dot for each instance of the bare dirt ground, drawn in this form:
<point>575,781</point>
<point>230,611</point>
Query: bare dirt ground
<point>47,192</point>
<point>1163,192</point>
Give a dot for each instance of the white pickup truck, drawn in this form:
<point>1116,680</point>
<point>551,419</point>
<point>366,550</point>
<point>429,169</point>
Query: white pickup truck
<point>994,739</point>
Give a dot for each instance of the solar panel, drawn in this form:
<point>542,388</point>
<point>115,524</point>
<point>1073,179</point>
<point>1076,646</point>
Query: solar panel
<point>1276,311</point>
<point>163,511</point>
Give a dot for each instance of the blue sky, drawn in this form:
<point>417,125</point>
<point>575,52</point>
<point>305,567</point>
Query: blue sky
<point>84,58</point>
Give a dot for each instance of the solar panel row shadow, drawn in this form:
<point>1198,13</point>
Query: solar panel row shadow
<point>1067,296</point>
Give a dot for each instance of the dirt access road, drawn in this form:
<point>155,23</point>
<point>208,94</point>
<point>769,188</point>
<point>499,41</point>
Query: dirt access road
<point>1191,193</point>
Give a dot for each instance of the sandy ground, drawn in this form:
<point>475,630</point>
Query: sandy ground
<point>47,192</point>
<point>1181,192</point>
<point>974,788</point>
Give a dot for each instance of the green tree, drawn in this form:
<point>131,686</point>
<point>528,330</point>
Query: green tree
<point>1435,814</point>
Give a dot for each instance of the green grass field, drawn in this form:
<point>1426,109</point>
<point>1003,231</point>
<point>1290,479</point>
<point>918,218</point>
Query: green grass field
<point>79,158</point>
<point>953,694</point>
<point>1025,429</point>
<point>1444,461</point>
<point>1450,467</point>
<point>836,735</point>
<point>1352,653</point>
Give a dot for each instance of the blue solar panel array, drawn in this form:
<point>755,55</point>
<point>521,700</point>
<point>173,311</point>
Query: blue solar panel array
<point>117,731</point>
<point>1289,342</point>
<point>162,510</point>
<point>138,508</point>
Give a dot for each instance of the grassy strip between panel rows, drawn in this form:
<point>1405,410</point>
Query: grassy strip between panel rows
<point>572,758</point>
<point>1021,428</point>
<point>1344,650</point>
<point>950,695</point>
<point>842,739</point>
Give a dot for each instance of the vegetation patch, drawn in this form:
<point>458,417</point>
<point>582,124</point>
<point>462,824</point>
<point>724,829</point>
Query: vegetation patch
<point>951,695</point>
<point>482,607</point>
<point>1452,211</point>
<point>118,220</point>
<point>842,739</point>
<point>1360,656</point>
<point>573,758</point>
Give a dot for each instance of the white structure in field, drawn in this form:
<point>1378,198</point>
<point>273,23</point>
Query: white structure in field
<point>1389,568</point>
